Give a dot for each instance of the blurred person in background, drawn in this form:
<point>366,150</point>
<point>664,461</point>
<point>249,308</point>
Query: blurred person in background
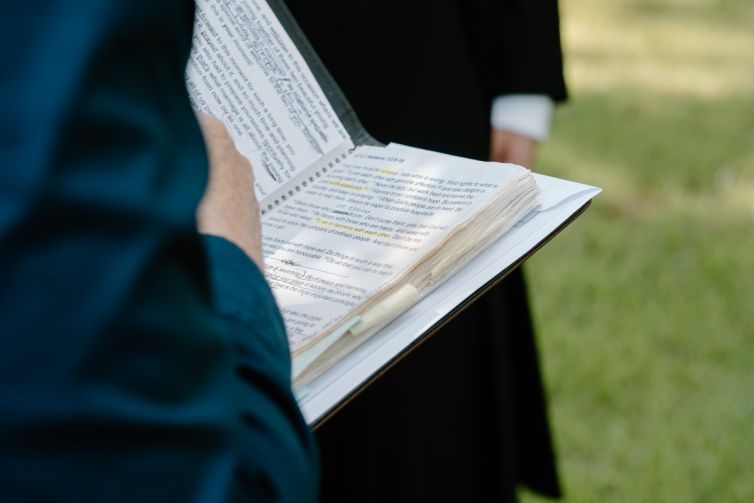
<point>463,418</point>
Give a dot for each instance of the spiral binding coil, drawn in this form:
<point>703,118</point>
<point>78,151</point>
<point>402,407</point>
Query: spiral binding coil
<point>305,183</point>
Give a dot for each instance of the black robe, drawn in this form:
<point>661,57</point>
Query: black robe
<point>463,416</point>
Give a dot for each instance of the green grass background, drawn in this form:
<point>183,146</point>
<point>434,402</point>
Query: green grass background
<point>645,305</point>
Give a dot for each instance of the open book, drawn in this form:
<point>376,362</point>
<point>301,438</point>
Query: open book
<point>354,232</point>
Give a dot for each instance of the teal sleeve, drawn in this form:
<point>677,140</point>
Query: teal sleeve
<point>262,365</point>
<point>128,370</point>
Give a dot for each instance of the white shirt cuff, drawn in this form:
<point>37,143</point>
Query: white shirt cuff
<point>527,114</point>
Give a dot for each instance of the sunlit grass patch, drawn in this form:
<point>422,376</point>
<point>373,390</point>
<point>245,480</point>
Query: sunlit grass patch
<point>645,305</point>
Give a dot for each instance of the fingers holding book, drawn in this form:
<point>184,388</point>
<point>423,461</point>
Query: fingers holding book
<point>507,146</point>
<point>229,207</point>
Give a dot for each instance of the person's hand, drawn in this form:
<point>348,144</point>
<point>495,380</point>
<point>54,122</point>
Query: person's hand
<point>515,148</point>
<point>229,207</point>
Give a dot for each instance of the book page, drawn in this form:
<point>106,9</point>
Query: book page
<point>325,393</point>
<point>245,70</point>
<point>358,227</point>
